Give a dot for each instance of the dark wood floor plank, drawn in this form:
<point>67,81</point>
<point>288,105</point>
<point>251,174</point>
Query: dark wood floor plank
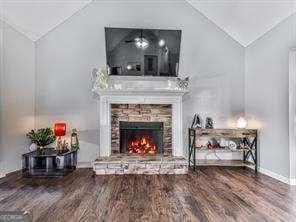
<point>271,202</point>
<point>210,194</point>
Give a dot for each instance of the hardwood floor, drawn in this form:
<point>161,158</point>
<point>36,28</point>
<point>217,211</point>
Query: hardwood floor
<point>212,194</point>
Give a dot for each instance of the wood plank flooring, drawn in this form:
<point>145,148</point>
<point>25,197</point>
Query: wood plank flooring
<point>212,194</point>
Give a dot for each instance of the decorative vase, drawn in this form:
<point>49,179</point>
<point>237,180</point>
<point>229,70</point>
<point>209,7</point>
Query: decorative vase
<point>209,123</point>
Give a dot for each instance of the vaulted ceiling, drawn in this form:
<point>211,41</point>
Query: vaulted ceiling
<point>35,18</point>
<point>244,20</point>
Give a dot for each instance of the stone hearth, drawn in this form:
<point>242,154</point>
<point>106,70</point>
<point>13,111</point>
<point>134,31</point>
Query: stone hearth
<point>135,164</point>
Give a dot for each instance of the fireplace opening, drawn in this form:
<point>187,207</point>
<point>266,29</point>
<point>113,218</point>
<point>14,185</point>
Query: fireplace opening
<point>141,137</point>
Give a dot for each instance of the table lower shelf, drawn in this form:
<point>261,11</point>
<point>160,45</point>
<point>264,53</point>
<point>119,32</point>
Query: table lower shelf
<point>47,173</point>
<point>223,150</point>
<point>204,162</point>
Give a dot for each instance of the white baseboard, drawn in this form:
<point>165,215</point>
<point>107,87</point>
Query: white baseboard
<point>275,175</point>
<point>84,165</point>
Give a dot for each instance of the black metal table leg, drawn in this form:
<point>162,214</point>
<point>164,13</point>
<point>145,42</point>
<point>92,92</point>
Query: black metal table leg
<point>256,155</point>
<point>189,147</point>
<point>194,157</point>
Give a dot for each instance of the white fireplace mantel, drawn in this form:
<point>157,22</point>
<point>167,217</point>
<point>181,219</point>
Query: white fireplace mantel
<point>155,96</point>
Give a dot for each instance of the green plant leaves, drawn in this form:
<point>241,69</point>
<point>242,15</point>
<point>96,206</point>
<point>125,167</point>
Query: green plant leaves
<point>42,137</point>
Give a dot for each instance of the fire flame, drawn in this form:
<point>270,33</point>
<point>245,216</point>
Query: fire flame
<point>142,145</point>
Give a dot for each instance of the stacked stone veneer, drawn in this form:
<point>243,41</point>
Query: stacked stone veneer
<point>137,164</point>
<point>141,113</point>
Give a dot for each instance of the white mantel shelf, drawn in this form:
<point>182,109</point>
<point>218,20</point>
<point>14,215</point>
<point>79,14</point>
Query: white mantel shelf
<point>158,92</point>
<point>140,96</point>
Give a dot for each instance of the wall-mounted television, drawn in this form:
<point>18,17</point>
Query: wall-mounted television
<point>143,52</point>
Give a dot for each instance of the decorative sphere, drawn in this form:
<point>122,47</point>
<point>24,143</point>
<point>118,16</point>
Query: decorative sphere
<point>241,123</point>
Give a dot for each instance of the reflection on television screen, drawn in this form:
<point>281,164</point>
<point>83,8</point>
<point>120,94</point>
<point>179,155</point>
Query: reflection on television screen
<point>142,52</point>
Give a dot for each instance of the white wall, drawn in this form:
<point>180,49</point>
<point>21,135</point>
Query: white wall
<point>292,114</point>
<point>267,94</point>
<point>66,55</point>
<point>17,96</point>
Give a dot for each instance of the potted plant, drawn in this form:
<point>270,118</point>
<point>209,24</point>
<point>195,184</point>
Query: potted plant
<point>41,137</point>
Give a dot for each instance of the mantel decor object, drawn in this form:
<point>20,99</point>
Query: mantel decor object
<point>183,83</point>
<point>100,78</point>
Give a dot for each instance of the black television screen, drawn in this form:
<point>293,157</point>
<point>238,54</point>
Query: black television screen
<point>142,52</point>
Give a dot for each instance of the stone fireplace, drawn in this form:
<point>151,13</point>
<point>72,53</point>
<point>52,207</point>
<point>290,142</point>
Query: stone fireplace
<point>141,128</point>
<point>140,131</point>
<point>141,106</point>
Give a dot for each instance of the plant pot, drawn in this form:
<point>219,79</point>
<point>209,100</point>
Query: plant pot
<point>40,150</point>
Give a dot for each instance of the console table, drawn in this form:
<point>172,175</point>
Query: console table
<point>248,147</point>
<point>49,163</point>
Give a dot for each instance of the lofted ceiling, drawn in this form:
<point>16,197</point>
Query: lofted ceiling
<point>35,18</point>
<point>244,20</point>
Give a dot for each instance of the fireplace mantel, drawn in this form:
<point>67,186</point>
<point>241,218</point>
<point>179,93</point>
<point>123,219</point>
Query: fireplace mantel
<point>141,92</point>
<point>155,96</point>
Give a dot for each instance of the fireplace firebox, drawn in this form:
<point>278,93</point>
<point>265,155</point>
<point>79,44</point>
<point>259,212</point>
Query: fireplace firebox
<point>141,137</point>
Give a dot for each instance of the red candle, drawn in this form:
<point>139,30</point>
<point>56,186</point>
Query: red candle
<point>60,129</point>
